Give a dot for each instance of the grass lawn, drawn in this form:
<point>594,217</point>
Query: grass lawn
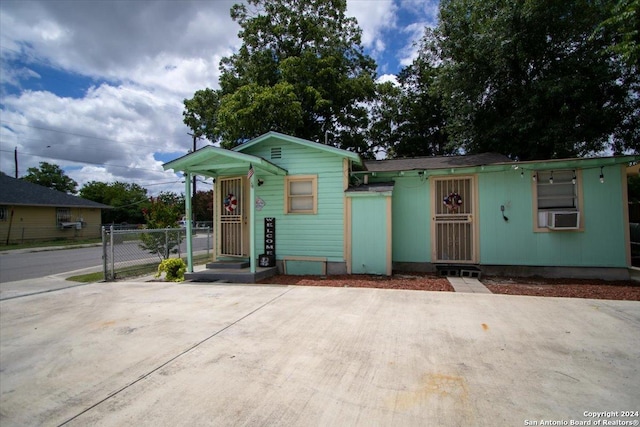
<point>133,271</point>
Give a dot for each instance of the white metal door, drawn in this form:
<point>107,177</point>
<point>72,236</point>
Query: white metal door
<point>232,217</point>
<point>453,230</point>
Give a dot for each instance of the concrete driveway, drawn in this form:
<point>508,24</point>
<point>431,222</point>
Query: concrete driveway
<point>184,354</point>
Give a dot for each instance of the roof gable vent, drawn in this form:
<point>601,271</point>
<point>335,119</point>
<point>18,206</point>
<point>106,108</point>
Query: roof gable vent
<point>276,152</point>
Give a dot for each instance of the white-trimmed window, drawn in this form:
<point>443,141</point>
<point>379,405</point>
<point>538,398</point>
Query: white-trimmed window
<point>301,194</point>
<point>63,215</point>
<point>556,191</point>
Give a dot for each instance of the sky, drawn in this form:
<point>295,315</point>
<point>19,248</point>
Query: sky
<point>97,86</point>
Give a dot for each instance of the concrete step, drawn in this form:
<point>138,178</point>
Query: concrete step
<point>231,265</point>
<point>231,275</point>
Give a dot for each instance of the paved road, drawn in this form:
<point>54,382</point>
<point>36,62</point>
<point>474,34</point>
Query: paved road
<point>20,265</point>
<point>161,354</point>
<point>29,264</point>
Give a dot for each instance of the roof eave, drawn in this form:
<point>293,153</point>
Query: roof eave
<point>196,161</point>
<point>295,140</point>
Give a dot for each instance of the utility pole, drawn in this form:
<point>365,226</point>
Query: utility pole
<point>15,160</point>
<point>195,138</point>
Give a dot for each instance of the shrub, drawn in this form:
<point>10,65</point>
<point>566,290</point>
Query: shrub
<point>174,267</point>
<point>163,213</point>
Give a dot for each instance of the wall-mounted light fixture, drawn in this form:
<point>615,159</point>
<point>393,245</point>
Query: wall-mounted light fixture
<point>573,180</point>
<point>260,182</point>
<point>551,178</point>
<point>601,175</point>
<point>506,219</point>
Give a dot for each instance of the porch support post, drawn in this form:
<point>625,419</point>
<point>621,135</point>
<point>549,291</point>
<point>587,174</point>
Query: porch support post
<point>252,224</point>
<point>187,214</point>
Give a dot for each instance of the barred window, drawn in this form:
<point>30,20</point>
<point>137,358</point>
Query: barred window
<point>63,215</point>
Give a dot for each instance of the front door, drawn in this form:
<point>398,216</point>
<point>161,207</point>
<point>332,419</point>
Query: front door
<point>453,226</point>
<point>233,217</point>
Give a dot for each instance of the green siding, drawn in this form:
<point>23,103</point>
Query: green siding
<point>411,220</point>
<point>601,244</point>
<point>301,268</point>
<point>318,235</point>
<point>369,235</point>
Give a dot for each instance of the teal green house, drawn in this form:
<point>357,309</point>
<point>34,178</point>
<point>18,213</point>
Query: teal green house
<point>285,204</point>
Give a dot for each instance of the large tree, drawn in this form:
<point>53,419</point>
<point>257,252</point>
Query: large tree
<point>408,115</point>
<point>623,25</point>
<point>52,176</point>
<point>533,79</point>
<point>128,200</point>
<point>422,121</point>
<point>301,70</point>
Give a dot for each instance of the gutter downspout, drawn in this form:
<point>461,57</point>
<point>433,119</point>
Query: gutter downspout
<point>187,213</point>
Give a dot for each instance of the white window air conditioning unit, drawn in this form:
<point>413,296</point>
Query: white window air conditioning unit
<point>567,220</point>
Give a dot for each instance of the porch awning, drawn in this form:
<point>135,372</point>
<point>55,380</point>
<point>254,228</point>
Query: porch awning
<point>213,162</point>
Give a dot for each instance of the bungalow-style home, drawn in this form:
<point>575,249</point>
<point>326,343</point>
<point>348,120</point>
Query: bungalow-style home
<point>307,208</point>
<point>31,212</point>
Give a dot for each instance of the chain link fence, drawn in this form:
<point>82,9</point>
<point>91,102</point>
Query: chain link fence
<point>129,252</point>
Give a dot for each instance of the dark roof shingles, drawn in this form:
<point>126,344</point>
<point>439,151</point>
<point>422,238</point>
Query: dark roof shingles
<point>20,192</point>
<point>440,162</point>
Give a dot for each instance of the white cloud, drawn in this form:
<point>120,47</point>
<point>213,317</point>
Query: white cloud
<point>409,52</point>
<point>107,39</point>
<point>117,128</point>
<point>388,78</point>
<point>146,57</point>
<point>426,15</point>
<point>374,17</point>
<point>425,9</point>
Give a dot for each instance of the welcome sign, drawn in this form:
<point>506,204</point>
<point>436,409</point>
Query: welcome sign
<point>268,259</point>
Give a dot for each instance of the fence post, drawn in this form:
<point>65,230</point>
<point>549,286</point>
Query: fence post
<point>113,262</point>
<point>104,252</point>
<point>166,243</point>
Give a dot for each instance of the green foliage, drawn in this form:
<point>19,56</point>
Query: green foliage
<point>301,70</point>
<point>253,110</point>
<point>174,267</point>
<point>633,188</point>
<point>51,176</point>
<point>527,79</point>
<point>200,113</point>
<point>623,25</point>
<point>127,200</point>
<point>202,206</point>
<point>164,212</point>
<point>386,116</point>
<point>410,115</point>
